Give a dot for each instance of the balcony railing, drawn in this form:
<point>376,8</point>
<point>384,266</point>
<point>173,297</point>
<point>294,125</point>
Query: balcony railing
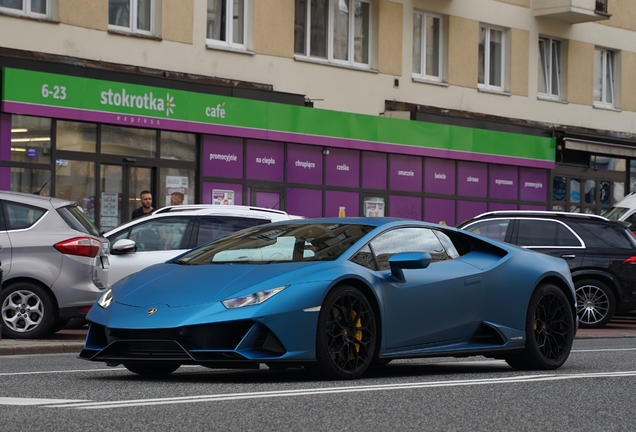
<point>572,11</point>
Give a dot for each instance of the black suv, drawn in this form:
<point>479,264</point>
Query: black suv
<point>601,254</point>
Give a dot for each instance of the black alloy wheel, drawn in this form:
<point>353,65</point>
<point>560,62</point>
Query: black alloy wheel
<point>550,330</point>
<point>346,337</point>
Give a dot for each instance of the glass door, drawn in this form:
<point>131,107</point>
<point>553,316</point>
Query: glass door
<point>120,187</point>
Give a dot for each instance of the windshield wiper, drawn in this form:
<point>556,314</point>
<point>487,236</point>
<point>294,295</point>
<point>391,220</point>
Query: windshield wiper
<point>181,262</point>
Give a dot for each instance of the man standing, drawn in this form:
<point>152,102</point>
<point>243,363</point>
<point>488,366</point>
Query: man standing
<point>146,205</point>
<point>176,198</point>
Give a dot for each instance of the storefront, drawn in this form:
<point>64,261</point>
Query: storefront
<point>101,142</point>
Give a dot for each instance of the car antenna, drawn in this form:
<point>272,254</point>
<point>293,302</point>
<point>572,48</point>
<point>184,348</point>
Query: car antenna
<point>47,182</point>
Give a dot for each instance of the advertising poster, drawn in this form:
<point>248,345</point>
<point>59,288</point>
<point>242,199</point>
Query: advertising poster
<point>374,209</point>
<point>176,184</point>
<point>222,197</point>
<point>110,209</point>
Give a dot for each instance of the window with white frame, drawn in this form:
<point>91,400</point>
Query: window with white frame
<point>34,8</point>
<point>549,68</point>
<point>226,23</point>
<point>491,58</point>
<point>604,77</point>
<point>135,16</point>
<point>427,46</point>
<point>337,31</point>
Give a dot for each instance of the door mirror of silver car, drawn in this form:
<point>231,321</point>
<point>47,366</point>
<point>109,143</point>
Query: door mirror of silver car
<point>124,246</point>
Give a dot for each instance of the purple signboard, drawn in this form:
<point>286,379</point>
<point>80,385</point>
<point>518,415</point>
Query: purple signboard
<point>533,207</point>
<point>406,173</point>
<point>374,170</point>
<point>342,204</point>
<point>304,202</point>
<point>209,188</point>
<point>495,206</point>
<point>533,184</point>
<point>405,207</point>
<point>222,156</point>
<point>5,137</point>
<point>469,209</point>
<point>343,168</point>
<point>503,181</point>
<point>472,179</point>
<point>265,160</point>
<point>439,176</point>
<point>268,200</point>
<point>439,211</point>
<point>304,164</point>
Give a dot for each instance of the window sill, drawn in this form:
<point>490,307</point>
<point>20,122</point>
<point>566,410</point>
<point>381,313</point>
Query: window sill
<point>606,107</point>
<point>133,34</point>
<point>339,65</point>
<point>229,49</point>
<point>549,99</point>
<point>19,14</point>
<point>493,91</point>
<point>432,82</point>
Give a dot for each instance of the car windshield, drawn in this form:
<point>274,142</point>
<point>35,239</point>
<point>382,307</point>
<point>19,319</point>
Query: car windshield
<point>279,243</point>
<point>615,213</point>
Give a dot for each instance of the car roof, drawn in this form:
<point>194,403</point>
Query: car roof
<point>537,213</point>
<point>34,199</point>
<point>228,210</point>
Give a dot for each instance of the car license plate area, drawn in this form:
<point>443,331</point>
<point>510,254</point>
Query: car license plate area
<point>105,262</point>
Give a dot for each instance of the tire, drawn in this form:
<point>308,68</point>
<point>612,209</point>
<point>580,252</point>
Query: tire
<point>595,303</point>
<point>27,311</point>
<point>58,325</point>
<point>550,330</point>
<point>346,336</point>
<point>151,369</point>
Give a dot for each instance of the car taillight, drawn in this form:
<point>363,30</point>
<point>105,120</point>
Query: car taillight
<point>81,246</point>
<point>630,260</point>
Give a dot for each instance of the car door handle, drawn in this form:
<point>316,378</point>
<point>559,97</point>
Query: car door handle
<point>568,256</point>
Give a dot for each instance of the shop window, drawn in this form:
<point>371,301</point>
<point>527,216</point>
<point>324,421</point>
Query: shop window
<point>75,181</point>
<point>134,16</point>
<point>30,139</point>
<point>28,180</point>
<point>128,141</point>
<point>176,180</point>
<point>337,31</point>
<point>427,46</point>
<point>226,23</point>
<point>75,136</point>
<point>31,8</point>
<point>178,146</point>
<point>491,58</point>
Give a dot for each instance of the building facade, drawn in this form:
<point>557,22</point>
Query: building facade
<point>427,109</point>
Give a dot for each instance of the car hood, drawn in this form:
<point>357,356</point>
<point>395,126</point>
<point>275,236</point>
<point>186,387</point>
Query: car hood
<point>183,285</point>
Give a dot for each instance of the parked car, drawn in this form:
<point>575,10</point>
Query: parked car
<point>170,231</point>
<point>337,295</point>
<point>601,254</point>
<point>624,210</point>
<point>54,264</point>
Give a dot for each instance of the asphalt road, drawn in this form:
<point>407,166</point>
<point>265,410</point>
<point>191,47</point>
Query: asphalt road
<point>593,391</point>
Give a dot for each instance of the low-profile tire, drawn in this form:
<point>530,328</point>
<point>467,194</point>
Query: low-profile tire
<point>595,303</point>
<point>550,330</point>
<point>27,311</point>
<point>151,369</point>
<point>58,325</point>
<point>346,336</point>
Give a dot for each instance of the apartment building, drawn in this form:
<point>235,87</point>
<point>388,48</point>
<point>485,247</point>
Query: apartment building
<point>428,109</point>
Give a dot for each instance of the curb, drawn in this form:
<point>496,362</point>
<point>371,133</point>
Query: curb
<point>18,347</point>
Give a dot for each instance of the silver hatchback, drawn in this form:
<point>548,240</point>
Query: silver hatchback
<point>54,264</point>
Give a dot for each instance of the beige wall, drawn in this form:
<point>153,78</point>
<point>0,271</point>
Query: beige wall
<point>519,62</point>
<point>177,19</point>
<point>463,57</point>
<point>274,27</point>
<point>623,14</point>
<point>628,81</point>
<point>524,3</point>
<point>390,38</point>
<point>580,80</point>
<point>92,14</point>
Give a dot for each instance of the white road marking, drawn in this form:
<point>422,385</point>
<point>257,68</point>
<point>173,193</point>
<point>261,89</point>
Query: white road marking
<point>34,401</point>
<point>334,390</point>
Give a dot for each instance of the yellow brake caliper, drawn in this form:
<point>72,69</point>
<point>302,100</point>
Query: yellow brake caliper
<point>357,333</point>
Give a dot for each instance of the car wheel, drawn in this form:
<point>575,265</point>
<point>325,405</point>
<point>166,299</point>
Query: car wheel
<point>58,325</point>
<point>346,337</point>
<point>550,329</point>
<point>595,303</point>
<point>150,369</point>
<point>28,311</point>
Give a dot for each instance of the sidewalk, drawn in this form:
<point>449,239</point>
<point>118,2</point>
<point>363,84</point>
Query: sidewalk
<point>72,341</point>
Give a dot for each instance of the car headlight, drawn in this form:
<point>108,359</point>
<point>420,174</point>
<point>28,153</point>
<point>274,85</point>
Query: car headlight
<point>252,299</point>
<point>106,299</point>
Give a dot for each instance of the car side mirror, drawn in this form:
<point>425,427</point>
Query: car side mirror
<point>123,246</point>
<point>410,261</point>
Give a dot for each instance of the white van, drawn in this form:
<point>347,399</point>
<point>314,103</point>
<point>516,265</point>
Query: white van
<point>624,210</point>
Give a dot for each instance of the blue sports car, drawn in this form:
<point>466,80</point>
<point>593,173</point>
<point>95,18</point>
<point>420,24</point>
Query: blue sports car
<point>338,295</point>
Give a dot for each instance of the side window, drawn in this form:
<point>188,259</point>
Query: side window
<point>407,240</point>
<point>213,227</point>
<point>159,234</point>
<point>20,216</point>
<point>494,229</point>
<point>565,237</point>
<point>364,257</point>
<point>537,233</point>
